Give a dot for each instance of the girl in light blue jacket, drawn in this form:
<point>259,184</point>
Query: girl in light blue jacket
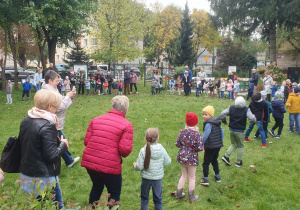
<point>151,161</point>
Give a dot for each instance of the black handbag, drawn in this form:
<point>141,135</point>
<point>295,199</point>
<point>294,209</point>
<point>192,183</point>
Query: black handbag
<point>11,155</point>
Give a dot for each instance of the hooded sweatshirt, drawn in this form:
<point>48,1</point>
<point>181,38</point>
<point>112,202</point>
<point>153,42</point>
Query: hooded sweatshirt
<point>159,158</point>
<point>27,85</point>
<point>238,115</point>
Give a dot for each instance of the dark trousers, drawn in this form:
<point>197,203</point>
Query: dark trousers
<point>157,193</point>
<point>210,157</point>
<point>133,84</point>
<point>113,183</point>
<point>72,84</point>
<point>249,95</point>
<point>278,124</point>
<point>25,92</point>
<point>265,127</point>
<point>153,90</point>
<point>81,86</point>
<point>269,97</point>
<point>202,83</point>
<point>187,88</point>
<point>109,89</point>
<point>126,89</point>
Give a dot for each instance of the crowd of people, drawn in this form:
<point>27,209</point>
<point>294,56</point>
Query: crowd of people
<point>102,156</point>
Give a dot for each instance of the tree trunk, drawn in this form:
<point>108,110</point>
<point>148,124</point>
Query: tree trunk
<point>22,60</point>
<point>5,57</point>
<point>51,50</point>
<point>12,44</point>
<point>272,38</point>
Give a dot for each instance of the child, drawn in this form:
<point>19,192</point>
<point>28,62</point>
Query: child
<point>258,107</point>
<point>151,161</point>
<point>115,86</point>
<point>213,135</point>
<point>198,85</point>
<point>190,143</point>
<point>278,114</point>
<point>154,84</point>
<point>67,84</point>
<point>63,89</point>
<point>236,88</point>
<point>59,85</point>
<point>172,85</point>
<point>211,89</point>
<point>267,88</point>
<point>293,104</point>
<point>8,92</point>
<point>283,84</point>
<point>238,115</point>
<point>205,88</point>
<point>94,85</point>
<point>178,83</point>
<point>218,83</point>
<point>88,86</point>
<point>229,89</point>
<point>222,88</point>
<point>99,86</point>
<point>120,87</point>
<point>250,90</point>
<point>106,87</point>
<point>26,88</point>
<point>274,88</point>
<point>287,89</point>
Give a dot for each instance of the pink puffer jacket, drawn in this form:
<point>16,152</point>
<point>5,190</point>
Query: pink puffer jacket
<point>108,139</point>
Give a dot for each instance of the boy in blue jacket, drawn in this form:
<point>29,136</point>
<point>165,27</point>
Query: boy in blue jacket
<point>26,88</point>
<point>278,114</point>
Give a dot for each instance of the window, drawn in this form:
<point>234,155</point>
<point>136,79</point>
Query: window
<point>71,43</point>
<point>94,41</point>
<point>57,57</point>
<point>85,43</point>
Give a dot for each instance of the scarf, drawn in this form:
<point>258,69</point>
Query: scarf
<point>36,113</point>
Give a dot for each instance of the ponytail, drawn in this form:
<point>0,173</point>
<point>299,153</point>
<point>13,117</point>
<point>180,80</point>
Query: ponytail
<point>147,157</point>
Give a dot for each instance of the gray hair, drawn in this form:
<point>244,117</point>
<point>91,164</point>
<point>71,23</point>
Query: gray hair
<point>253,69</point>
<point>120,103</point>
<point>50,75</point>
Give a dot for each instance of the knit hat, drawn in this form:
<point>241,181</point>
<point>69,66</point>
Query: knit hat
<point>278,95</point>
<point>98,80</point>
<point>210,110</point>
<point>294,84</point>
<point>191,119</point>
<point>256,97</point>
<point>263,94</point>
<point>296,89</point>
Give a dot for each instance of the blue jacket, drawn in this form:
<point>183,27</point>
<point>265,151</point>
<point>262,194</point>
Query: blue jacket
<point>127,77</point>
<point>190,74</point>
<point>27,85</point>
<point>278,109</point>
<point>254,79</point>
<point>251,88</point>
<point>274,89</point>
<point>270,110</point>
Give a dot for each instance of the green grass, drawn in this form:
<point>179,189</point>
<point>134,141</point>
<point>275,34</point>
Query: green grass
<point>275,185</point>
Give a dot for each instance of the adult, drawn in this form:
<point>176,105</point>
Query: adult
<point>41,150</point>
<point>158,78</point>
<point>37,80</point>
<point>72,76</point>
<point>102,156</point>
<point>186,83</point>
<point>202,76</point>
<point>189,71</point>
<point>81,75</point>
<point>254,79</point>
<point>133,81</point>
<point>126,81</point>
<point>110,80</point>
<point>51,81</point>
<point>230,76</point>
<point>99,71</point>
<point>267,78</point>
<point>49,68</point>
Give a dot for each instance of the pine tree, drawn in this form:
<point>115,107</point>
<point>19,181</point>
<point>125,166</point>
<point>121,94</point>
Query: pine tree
<point>185,53</point>
<point>76,56</point>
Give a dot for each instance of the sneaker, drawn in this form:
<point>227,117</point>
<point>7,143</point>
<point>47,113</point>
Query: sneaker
<point>130,92</point>
<point>226,160</point>
<point>7,103</point>
<point>218,179</point>
<point>277,137</point>
<point>271,132</point>
<point>75,161</point>
<point>247,140</point>
<point>256,137</point>
<point>204,182</point>
<point>239,164</point>
<point>264,145</point>
<point>137,92</point>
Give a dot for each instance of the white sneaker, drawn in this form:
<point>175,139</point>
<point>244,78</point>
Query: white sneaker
<point>75,161</point>
<point>137,92</point>
<point>7,103</point>
<point>10,103</point>
<point>130,92</point>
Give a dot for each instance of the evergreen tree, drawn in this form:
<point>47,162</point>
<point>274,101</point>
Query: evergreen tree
<point>76,56</point>
<point>185,53</point>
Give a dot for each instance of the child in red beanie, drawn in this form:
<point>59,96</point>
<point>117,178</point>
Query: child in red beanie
<point>213,136</point>
<point>190,143</point>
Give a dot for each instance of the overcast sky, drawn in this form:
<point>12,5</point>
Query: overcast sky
<point>198,4</point>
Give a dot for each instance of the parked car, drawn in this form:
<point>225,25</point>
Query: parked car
<point>136,70</point>
<point>61,67</point>
<point>104,68</point>
<point>22,73</point>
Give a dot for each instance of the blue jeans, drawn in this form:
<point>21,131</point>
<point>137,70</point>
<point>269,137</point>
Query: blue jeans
<point>67,155</point>
<point>259,125</point>
<point>293,118</point>
<point>156,190</point>
<point>197,91</point>
<point>109,89</point>
<point>229,95</point>
<point>58,196</point>
<point>37,87</point>
<point>222,94</point>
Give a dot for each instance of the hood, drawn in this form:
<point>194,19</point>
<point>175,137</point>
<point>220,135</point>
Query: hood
<point>27,78</point>
<point>215,120</point>
<point>263,94</point>
<point>156,151</point>
<point>240,102</point>
<point>276,103</point>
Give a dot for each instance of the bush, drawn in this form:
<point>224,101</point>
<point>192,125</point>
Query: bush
<point>275,72</point>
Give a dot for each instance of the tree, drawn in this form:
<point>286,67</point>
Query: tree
<point>59,21</point>
<point>117,27</point>
<point>185,54</point>
<point>77,55</point>
<point>292,38</point>
<point>205,36</point>
<point>246,16</point>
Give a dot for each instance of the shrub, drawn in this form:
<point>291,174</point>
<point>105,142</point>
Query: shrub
<point>275,72</point>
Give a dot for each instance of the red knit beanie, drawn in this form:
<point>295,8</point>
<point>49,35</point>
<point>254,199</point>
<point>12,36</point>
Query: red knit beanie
<point>191,119</point>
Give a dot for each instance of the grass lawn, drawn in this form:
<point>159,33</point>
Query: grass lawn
<point>273,183</point>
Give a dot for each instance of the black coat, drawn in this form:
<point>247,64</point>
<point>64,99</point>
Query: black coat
<point>41,149</point>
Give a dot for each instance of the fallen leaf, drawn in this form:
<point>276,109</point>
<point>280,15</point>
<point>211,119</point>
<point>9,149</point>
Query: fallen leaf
<point>173,193</point>
<point>290,146</point>
<point>238,206</point>
<point>253,171</point>
<point>208,199</point>
<point>2,184</point>
<point>252,166</point>
<point>181,123</point>
<point>218,191</point>
<point>168,143</point>
<point>270,142</point>
<point>230,186</point>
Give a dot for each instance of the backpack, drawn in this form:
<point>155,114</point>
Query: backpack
<point>11,155</point>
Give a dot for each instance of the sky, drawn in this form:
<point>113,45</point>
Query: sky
<point>198,4</point>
